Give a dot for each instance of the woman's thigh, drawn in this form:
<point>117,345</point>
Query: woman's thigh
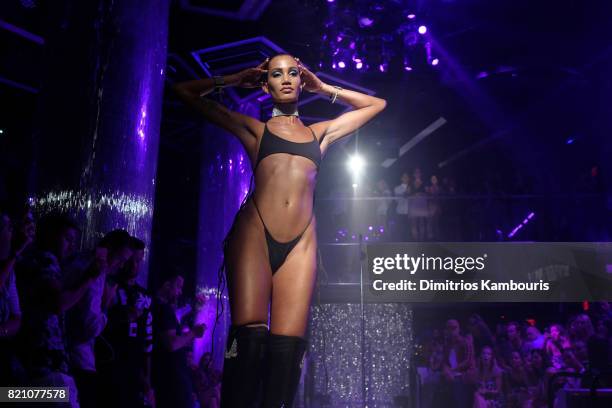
<point>248,271</point>
<point>292,287</point>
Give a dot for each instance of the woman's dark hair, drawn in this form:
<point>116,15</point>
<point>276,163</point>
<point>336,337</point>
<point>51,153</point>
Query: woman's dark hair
<point>116,240</point>
<point>137,244</point>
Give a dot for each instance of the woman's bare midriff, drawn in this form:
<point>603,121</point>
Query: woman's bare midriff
<point>284,188</point>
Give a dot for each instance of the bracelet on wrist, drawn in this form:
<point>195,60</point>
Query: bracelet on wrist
<point>333,96</point>
<point>219,83</point>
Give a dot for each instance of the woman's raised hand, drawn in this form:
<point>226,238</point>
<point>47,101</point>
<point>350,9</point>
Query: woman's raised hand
<point>310,81</point>
<point>251,77</point>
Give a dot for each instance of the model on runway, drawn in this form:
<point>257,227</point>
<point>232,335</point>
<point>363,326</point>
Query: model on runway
<point>270,251</point>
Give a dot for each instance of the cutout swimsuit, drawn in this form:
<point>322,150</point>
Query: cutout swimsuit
<point>270,144</point>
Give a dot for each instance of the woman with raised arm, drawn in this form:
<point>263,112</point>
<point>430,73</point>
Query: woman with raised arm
<point>270,251</point>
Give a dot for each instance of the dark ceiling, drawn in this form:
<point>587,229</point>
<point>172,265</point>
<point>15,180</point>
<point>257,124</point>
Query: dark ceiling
<point>546,65</point>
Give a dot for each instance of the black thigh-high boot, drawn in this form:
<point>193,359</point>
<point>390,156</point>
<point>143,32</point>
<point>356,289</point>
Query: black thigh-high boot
<point>284,365</point>
<point>243,366</point>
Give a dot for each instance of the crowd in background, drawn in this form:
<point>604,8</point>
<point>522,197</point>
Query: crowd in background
<point>514,365</point>
<point>80,320</point>
<point>420,207</point>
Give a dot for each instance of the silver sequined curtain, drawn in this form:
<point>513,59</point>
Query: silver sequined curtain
<point>335,360</point>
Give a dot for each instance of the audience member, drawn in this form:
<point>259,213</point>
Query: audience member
<point>488,381</point>
<point>86,319</point>
<point>130,335</point>
<point>402,192</point>
<point>458,361</point>
<point>171,375</point>
<point>46,299</point>
<point>512,343</point>
<point>11,372</point>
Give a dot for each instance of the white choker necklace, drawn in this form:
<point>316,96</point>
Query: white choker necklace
<point>289,110</point>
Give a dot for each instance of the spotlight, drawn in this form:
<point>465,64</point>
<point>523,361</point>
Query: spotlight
<point>410,16</point>
<point>359,65</point>
<point>422,30</point>
<point>341,64</point>
<point>435,62</point>
<point>334,65</point>
<point>382,67</point>
<point>407,66</point>
<point>355,163</point>
<point>365,22</point>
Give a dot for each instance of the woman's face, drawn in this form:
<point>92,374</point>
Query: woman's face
<point>554,332</point>
<point>516,360</point>
<point>486,355</point>
<point>284,82</point>
<point>531,333</point>
<point>536,359</point>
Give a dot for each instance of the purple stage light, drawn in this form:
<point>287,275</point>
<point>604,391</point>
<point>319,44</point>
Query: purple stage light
<point>518,227</point>
<point>341,64</point>
<point>352,45</point>
<point>370,228</point>
<point>365,21</point>
<point>569,141</point>
<point>339,38</point>
<point>359,65</point>
<point>410,16</point>
<point>422,29</point>
<point>482,74</point>
<point>382,67</point>
<point>435,62</point>
<point>407,66</point>
<point>334,65</point>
